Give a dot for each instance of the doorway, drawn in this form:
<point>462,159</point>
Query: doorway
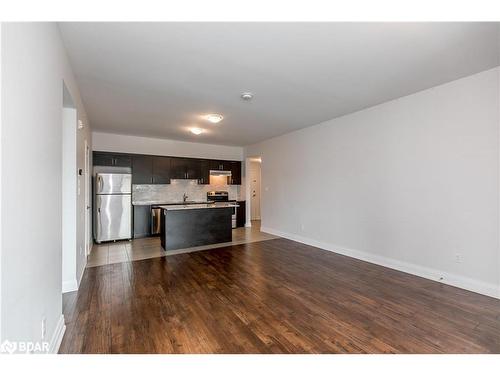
<point>255,175</point>
<point>88,243</point>
<point>253,185</point>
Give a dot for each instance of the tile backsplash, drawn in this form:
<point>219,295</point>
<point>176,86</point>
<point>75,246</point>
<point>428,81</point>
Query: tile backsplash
<point>174,191</point>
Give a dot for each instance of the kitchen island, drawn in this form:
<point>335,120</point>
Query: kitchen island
<point>184,226</point>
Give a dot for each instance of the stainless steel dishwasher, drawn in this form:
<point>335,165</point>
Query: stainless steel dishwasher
<point>155,220</point>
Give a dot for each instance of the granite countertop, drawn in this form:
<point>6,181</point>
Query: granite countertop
<point>177,207</point>
<point>159,203</point>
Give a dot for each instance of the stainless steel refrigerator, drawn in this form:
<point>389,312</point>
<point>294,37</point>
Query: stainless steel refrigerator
<point>112,207</point>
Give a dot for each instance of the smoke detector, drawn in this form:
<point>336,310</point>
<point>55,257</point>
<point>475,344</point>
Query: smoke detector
<point>246,96</point>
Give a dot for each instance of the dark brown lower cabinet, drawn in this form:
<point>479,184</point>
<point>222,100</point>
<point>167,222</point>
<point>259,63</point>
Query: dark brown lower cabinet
<point>241,214</point>
<point>142,221</point>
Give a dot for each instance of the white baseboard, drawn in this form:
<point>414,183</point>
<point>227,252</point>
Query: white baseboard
<point>72,285</point>
<point>69,286</point>
<point>462,282</point>
<point>248,225</point>
<point>55,341</point>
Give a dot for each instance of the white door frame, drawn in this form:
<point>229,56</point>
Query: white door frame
<point>255,194</point>
<point>88,243</point>
<point>248,189</point>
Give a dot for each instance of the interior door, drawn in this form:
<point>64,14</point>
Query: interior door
<point>255,190</point>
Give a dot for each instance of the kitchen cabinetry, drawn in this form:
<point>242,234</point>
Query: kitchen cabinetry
<point>149,169</point>
<point>108,159</point>
<point>204,178</point>
<point>161,169</point>
<point>226,165</point>
<point>142,221</point>
<point>235,168</point>
<point>220,165</point>
<point>142,169</point>
<point>183,168</point>
<point>241,214</point>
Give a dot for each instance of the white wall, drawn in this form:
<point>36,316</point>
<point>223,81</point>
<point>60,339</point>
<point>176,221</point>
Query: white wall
<point>156,146</point>
<point>1,126</point>
<point>409,183</point>
<point>69,196</point>
<point>34,65</point>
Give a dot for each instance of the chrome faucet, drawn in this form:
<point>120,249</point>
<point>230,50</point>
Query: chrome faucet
<point>184,197</point>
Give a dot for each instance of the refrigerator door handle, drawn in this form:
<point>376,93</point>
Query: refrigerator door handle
<point>98,219</point>
<point>99,184</point>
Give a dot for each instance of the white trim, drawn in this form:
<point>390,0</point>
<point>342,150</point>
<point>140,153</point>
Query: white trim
<point>70,286</point>
<point>55,341</point>
<point>73,285</point>
<point>248,224</point>
<point>466,283</point>
<point>87,197</point>
<point>81,274</point>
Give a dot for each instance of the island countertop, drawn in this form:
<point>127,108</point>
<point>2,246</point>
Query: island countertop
<point>158,203</point>
<point>177,207</point>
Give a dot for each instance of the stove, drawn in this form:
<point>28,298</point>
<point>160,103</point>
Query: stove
<point>222,196</point>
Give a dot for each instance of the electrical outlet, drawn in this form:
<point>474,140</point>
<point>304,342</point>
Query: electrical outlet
<point>44,327</point>
<point>458,258</point>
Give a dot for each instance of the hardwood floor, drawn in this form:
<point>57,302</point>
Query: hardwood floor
<point>275,296</point>
<point>150,247</point>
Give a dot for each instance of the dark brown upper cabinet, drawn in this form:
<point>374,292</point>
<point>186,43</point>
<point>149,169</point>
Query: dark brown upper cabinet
<point>161,169</point>
<point>204,178</point>
<point>235,168</point>
<point>109,159</point>
<point>220,165</point>
<point>184,168</point>
<point>142,169</point>
<point>148,169</point>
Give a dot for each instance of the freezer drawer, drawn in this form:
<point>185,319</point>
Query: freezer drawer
<point>113,217</point>
<point>113,183</point>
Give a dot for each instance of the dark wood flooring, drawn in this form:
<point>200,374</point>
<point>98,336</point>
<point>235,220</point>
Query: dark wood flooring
<point>276,296</point>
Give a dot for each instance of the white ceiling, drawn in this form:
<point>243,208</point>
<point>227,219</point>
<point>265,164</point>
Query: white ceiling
<point>156,79</point>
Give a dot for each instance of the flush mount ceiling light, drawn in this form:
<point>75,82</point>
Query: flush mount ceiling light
<point>196,131</point>
<point>246,95</point>
<point>214,118</point>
